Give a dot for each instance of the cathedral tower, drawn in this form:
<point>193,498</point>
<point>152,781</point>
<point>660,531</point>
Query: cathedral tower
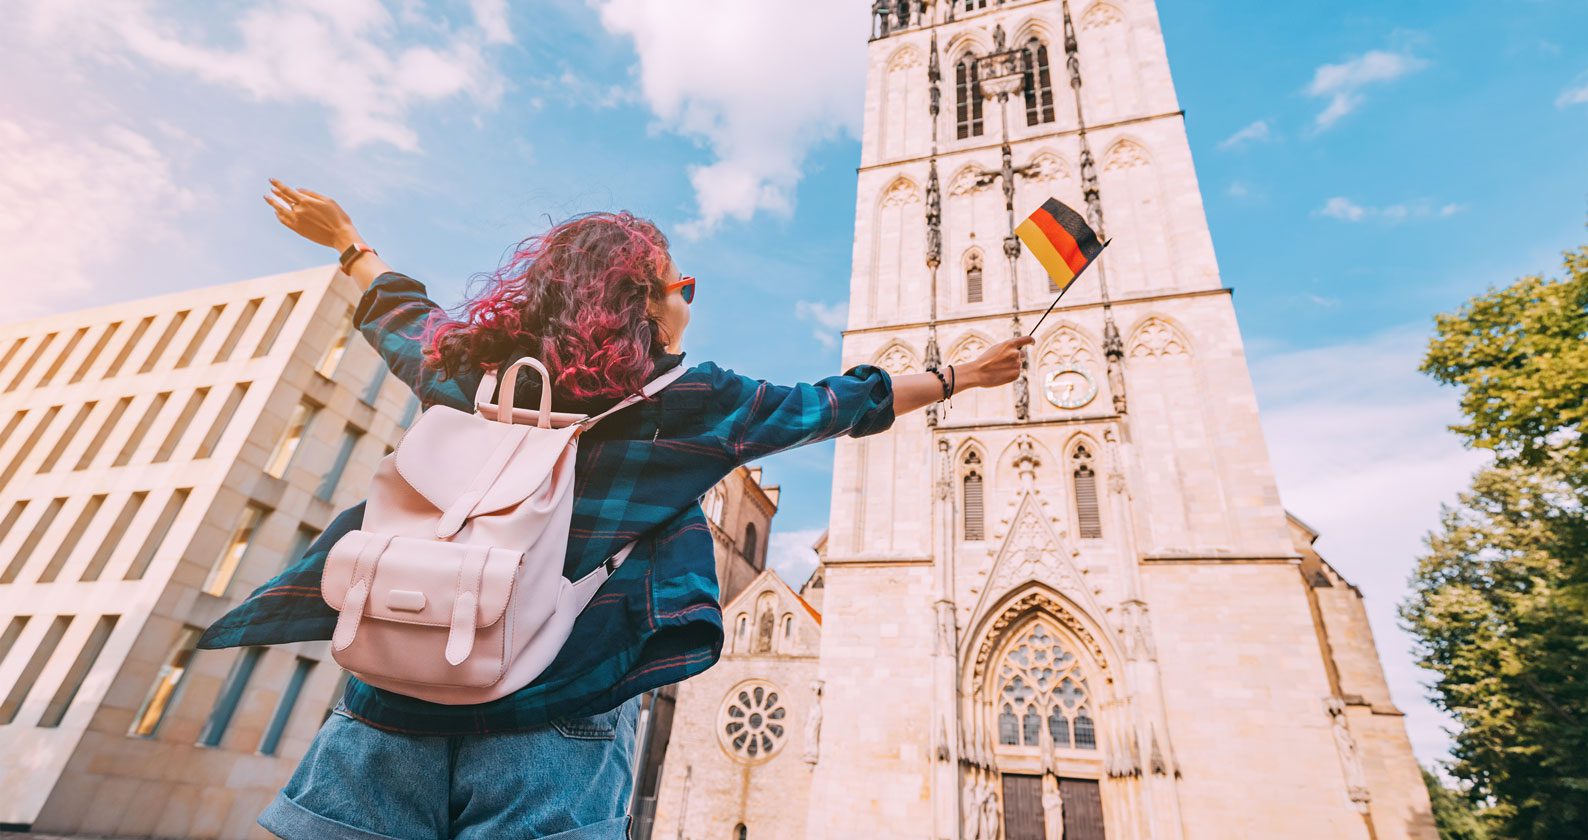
<point>1075,606</point>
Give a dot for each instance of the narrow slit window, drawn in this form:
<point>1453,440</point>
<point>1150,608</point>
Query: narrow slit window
<point>1038,84</point>
<point>11,353</point>
<point>199,335</point>
<point>12,516</point>
<point>157,534</point>
<point>93,353</point>
<point>63,552</point>
<point>179,429</point>
<point>126,349</point>
<point>66,436</point>
<point>333,354</point>
<point>105,428</point>
<point>235,335</point>
<point>974,525</point>
<point>27,445</point>
<point>226,564</point>
<point>289,699</point>
<point>62,701</point>
<point>10,429</point>
<point>30,673</point>
<point>268,341</point>
<point>973,286</point>
<point>29,545</point>
<point>113,538</point>
<point>8,639</point>
<point>231,695</point>
<point>156,405</point>
<point>376,379</point>
<point>300,545</point>
<point>60,358</point>
<point>164,341</point>
<point>287,445</point>
<point>33,359</point>
<point>344,454</point>
<point>162,693</point>
<point>212,438</point>
<point>1088,516</point>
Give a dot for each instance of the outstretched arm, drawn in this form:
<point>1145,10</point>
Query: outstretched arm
<point>322,221</point>
<point>998,366</point>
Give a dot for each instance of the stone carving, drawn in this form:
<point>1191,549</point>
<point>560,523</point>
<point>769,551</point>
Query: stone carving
<point>1031,553</point>
<point>1053,812</point>
<point>901,191</point>
<point>967,181</point>
<point>967,349</point>
<point>753,721</point>
<point>1047,166</point>
<point>897,360</point>
<point>1156,338</point>
<point>1126,154</point>
<point>813,725</point>
<point>1350,757</point>
<point>988,800</point>
<point>1100,15</point>
<point>1137,634</point>
<point>1065,347</point>
<point>1060,615</point>
<point>971,813</point>
<point>905,59</point>
<point>945,627</point>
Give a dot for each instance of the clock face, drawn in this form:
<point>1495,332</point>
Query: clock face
<point>1069,387</point>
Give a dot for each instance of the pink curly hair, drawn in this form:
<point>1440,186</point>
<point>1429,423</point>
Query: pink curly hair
<point>573,297</point>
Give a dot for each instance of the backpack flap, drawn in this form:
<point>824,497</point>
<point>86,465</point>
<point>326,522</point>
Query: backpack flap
<point>459,462</point>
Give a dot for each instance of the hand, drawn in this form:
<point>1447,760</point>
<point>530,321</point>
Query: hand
<point>999,365</point>
<point>313,216</point>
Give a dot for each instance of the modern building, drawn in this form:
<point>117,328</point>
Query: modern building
<point>160,459</point>
<point>1071,608</point>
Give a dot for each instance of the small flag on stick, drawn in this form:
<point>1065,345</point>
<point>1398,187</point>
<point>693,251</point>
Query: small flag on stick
<point>1062,241</point>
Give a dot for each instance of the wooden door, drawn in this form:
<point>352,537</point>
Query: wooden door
<point>1023,808</point>
<point>1083,809</point>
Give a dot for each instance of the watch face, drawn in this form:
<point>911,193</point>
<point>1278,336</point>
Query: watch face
<point>1069,387</point>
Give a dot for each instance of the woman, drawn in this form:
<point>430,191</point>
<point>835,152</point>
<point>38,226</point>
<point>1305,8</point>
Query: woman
<point>599,300</point>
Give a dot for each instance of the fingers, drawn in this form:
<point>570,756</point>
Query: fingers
<point>291,195</point>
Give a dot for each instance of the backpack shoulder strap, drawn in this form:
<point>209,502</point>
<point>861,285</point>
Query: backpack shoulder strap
<point>650,390</point>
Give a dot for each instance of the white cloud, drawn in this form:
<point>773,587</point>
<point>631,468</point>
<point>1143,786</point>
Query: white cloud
<point>758,85</point>
<point>1346,210</point>
<point>1362,453</point>
<point>1575,94</point>
<point>352,57</point>
<point>1257,132</point>
<point>1342,84</point>
<point>789,553</point>
<point>829,319</point>
<point>70,204</point>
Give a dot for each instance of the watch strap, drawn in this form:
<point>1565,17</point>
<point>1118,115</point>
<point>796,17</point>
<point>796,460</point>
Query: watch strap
<point>351,253</point>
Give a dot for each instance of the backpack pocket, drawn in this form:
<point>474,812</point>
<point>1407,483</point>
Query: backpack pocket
<point>427,611</point>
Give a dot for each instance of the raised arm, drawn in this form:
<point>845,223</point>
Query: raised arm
<point>322,221</point>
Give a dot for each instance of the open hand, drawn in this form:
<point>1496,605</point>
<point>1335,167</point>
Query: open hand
<point>999,365</point>
<point>311,215</point>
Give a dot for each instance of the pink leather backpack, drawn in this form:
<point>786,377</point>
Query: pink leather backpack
<point>453,591</point>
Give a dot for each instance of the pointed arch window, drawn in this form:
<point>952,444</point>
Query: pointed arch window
<point>751,544</point>
<point>967,88</point>
<point>1088,516</point>
<point>974,525</point>
<point>1040,682</point>
<point>973,277</point>
<point>1038,84</point>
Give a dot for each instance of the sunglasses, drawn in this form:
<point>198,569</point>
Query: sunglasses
<point>687,284</point>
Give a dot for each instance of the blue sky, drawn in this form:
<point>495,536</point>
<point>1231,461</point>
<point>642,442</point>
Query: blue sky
<point>1364,165</point>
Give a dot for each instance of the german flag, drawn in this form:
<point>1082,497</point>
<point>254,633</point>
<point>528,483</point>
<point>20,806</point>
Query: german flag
<point>1061,240</point>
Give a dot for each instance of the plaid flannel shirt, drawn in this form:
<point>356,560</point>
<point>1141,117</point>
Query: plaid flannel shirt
<point>639,474</point>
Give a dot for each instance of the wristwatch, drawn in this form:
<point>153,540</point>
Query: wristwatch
<point>352,253</point>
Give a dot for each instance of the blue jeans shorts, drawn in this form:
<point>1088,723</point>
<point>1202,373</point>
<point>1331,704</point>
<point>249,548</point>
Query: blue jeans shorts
<point>568,780</point>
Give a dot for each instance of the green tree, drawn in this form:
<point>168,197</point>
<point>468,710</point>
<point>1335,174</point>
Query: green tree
<point>1491,607</point>
<point>1455,816</point>
<point>1520,357</point>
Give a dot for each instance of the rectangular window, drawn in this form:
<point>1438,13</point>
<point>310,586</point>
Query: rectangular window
<point>213,437</point>
<point>64,551</point>
<point>55,366</point>
<point>46,519</point>
<point>93,354</point>
<point>344,453</point>
<point>11,353</point>
<point>1088,517</point>
<point>232,557</point>
<point>113,538</point>
<point>65,438</point>
<point>8,639</point>
<point>289,698</point>
<point>27,445</point>
<point>975,520</point>
<point>126,349</point>
<point>281,456</point>
<point>333,354</point>
<point>162,694</point>
<point>11,517</point>
<point>156,536</point>
<point>231,695</point>
<point>30,673</point>
<point>179,429</point>
<point>56,710</point>
<point>199,335</point>
<point>127,449</point>
<point>244,318</point>
<point>164,341</point>
<point>32,360</point>
<point>376,379</point>
<point>10,429</point>
<point>105,428</point>
<point>300,545</point>
<point>268,341</point>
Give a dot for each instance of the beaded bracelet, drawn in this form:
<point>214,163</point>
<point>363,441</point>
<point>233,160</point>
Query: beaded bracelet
<point>942,380</point>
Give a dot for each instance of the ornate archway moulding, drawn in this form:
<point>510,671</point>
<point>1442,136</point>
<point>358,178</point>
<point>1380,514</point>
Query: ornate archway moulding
<point>1029,602</point>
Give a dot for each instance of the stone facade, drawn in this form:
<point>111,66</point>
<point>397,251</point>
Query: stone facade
<point>1076,606</point>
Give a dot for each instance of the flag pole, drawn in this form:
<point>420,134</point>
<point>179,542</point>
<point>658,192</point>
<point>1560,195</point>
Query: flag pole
<point>1067,288</point>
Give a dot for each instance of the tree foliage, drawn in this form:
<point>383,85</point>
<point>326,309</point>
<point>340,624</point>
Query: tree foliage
<point>1455,816</point>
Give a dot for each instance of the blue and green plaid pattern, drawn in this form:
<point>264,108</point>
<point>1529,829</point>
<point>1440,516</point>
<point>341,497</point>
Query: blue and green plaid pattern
<point>639,475</point>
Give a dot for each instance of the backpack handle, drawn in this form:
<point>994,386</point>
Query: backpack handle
<point>504,404</point>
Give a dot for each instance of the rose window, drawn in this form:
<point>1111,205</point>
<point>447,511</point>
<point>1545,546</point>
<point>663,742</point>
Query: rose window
<point>753,721</point>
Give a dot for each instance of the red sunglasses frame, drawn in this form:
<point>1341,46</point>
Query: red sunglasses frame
<point>687,283</point>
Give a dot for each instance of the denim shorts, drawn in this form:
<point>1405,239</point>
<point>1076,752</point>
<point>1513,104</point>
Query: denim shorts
<point>568,780</point>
